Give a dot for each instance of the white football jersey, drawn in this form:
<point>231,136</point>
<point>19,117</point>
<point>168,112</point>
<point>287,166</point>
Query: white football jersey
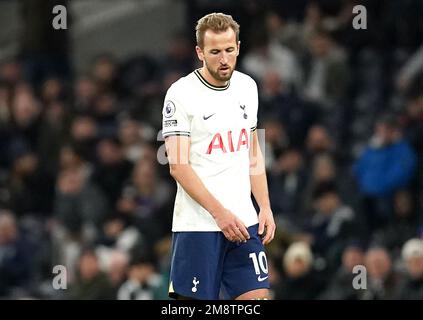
<point>218,121</point>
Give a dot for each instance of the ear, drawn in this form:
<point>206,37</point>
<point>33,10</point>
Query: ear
<point>200,53</point>
<point>239,46</point>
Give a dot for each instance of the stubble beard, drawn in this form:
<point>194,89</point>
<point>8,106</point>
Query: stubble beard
<point>217,76</point>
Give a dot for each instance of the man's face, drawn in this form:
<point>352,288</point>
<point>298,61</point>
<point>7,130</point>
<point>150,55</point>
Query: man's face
<point>378,263</point>
<point>297,268</point>
<point>385,133</point>
<point>318,139</point>
<point>382,131</point>
<point>327,203</point>
<point>415,267</point>
<point>88,266</point>
<point>219,53</point>
<point>352,257</point>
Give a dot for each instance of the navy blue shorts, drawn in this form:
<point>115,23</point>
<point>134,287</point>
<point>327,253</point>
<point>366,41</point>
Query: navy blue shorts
<point>206,264</point>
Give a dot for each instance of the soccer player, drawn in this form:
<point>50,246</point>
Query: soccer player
<point>209,126</point>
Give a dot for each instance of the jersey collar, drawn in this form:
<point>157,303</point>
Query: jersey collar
<point>208,84</point>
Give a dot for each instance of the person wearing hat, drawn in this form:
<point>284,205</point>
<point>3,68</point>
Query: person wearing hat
<point>300,280</point>
<point>412,255</point>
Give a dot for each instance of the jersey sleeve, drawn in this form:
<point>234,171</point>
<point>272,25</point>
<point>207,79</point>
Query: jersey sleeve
<point>255,104</point>
<point>175,118</point>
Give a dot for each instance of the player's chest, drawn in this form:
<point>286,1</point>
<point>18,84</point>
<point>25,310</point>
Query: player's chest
<point>218,114</point>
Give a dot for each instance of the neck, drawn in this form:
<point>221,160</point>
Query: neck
<point>210,79</point>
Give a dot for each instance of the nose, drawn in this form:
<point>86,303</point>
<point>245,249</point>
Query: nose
<point>224,58</point>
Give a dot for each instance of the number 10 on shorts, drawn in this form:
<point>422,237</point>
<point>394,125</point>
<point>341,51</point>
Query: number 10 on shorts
<point>260,262</point>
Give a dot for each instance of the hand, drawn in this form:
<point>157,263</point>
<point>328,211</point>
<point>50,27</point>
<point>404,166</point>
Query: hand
<point>232,227</point>
<point>267,226</point>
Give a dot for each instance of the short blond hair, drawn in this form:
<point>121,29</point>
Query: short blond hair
<point>217,22</point>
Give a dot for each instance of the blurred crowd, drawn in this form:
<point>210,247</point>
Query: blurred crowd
<point>81,184</point>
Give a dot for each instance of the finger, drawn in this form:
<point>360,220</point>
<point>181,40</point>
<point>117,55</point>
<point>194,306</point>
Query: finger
<point>239,235</point>
<point>266,239</point>
<point>227,235</point>
<point>273,236</point>
<point>269,235</point>
<point>243,230</point>
<point>261,226</point>
<point>232,236</point>
<point>266,234</point>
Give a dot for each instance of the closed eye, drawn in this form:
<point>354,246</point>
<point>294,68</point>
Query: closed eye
<point>215,51</point>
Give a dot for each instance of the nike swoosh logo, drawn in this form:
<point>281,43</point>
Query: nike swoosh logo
<point>205,118</point>
<point>260,279</point>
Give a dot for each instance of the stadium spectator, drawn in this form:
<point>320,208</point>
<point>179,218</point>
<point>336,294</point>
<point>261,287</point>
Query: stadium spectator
<point>300,281</point>
<point>402,227</point>
<point>54,130</point>
<point>326,79</point>
<point>30,186</point>
<point>412,255</point>
<point>145,201</point>
<point>16,258</point>
<point>278,102</point>
<point>143,280</point>
<point>90,283</point>
<point>84,92</point>
<point>340,285</point>
<point>323,168</point>
<point>266,56</point>
<point>386,165</point>
<point>112,170</point>
<point>84,132</point>
<point>286,183</point>
<point>318,141</point>
<point>132,140</point>
<point>79,204</point>
<point>115,264</point>
<point>276,142</point>
<point>332,226</point>
<point>382,279</point>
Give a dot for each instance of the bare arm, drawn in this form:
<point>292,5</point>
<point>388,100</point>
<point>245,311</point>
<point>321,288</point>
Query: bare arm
<point>260,191</point>
<point>177,148</point>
